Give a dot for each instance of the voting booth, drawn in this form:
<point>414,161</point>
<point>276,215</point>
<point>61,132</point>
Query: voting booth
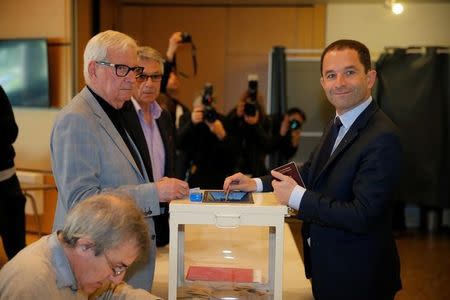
<point>227,271</point>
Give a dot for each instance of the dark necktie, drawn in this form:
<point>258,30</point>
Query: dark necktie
<point>325,151</point>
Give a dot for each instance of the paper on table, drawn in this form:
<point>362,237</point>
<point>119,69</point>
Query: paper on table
<point>290,169</point>
<point>219,274</point>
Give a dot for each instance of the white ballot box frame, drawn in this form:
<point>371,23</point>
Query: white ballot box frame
<point>265,211</point>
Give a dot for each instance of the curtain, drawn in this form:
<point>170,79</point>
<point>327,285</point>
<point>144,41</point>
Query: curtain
<point>278,104</point>
<point>413,89</point>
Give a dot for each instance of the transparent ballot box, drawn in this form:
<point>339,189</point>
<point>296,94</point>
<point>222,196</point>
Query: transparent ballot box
<point>226,250</point>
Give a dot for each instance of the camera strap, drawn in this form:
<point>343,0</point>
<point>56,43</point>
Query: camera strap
<point>194,57</point>
<point>194,62</point>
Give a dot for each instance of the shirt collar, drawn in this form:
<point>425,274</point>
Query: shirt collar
<point>64,275</point>
<point>155,108</point>
<point>350,116</point>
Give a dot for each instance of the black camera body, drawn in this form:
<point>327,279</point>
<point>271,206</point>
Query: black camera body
<point>251,106</point>
<point>185,38</point>
<point>295,125</point>
<point>209,112</point>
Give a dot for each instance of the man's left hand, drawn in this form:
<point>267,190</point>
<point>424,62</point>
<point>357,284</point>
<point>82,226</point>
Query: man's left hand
<point>283,187</point>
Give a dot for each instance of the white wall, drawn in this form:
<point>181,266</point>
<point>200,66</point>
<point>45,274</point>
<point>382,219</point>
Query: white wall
<point>33,143</point>
<point>420,24</point>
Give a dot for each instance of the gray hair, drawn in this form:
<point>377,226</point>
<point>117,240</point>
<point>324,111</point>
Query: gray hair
<point>109,220</point>
<point>98,46</point>
<point>148,53</point>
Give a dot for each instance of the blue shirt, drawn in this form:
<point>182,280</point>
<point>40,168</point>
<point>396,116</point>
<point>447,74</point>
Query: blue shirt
<point>153,138</point>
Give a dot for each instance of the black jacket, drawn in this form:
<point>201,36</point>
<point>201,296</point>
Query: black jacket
<point>9,132</point>
<point>347,212</point>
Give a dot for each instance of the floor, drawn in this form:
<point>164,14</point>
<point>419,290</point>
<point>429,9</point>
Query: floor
<point>425,260</point>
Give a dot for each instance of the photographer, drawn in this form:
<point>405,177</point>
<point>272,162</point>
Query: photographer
<point>287,130</point>
<point>204,138</point>
<point>169,96</point>
<point>251,128</point>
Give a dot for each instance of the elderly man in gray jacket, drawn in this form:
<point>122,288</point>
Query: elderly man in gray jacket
<point>91,150</point>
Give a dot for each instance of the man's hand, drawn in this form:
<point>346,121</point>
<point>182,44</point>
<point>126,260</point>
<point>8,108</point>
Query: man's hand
<point>197,115</point>
<point>216,127</point>
<point>239,182</point>
<point>282,187</point>
<point>284,127</point>
<point>171,188</point>
<point>295,137</point>
<point>174,42</point>
<point>240,109</point>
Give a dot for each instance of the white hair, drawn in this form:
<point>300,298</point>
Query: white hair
<point>98,46</point>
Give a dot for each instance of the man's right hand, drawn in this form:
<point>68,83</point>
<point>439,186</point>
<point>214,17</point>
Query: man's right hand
<point>239,182</point>
<point>174,42</point>
<point>197,115</point>
<point>171,188</point>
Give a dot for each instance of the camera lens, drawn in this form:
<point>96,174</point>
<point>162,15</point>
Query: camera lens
<point>250,109</point>
<point>294,124</point>
<point>210,114</point>
<point>186,37</point>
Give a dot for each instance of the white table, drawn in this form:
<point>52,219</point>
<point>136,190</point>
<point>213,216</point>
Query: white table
<point>265,211</point>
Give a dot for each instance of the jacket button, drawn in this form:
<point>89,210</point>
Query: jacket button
<point>153,237</point>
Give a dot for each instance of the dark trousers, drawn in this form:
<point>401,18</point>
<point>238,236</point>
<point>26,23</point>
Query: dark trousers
<point>162,226</point>
<point>12,216</point>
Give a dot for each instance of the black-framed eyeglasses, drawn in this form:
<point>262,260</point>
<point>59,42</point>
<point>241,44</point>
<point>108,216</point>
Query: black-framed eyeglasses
<point>117,270</point>
<point>144,77</point>
<point>122,70</point>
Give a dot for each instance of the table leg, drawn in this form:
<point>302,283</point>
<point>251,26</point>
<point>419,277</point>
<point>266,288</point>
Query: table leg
<point>279,253</point>
<point>35,212</point>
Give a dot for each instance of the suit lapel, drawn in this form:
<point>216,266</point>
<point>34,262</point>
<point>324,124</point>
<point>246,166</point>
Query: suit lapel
<point>347,140</point>
<point>164,133</point>
<point>109,128</point>
<point>164,123</point>
<point>314,164</point>
<point>134,129</point>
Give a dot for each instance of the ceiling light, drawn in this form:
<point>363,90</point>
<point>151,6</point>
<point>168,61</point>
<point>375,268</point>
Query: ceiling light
<point>394,6</point>
<point>397,8</point>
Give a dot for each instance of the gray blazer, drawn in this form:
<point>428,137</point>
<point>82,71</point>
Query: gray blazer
<point>89,156</point>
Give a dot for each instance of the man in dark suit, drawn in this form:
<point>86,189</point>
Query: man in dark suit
<point>151,129</point>
<point>346,205</point>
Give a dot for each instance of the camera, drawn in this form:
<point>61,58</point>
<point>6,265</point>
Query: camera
<point>250,106</point>
<point>209,113</point>
<point>186,38</point>
<point>294,125</point>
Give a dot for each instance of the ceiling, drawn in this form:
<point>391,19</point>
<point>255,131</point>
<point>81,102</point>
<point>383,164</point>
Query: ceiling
<point>267,2</point>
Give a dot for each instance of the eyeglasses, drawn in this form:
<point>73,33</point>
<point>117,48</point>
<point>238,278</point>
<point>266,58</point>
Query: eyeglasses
<point>144,77</point>
<point>122,70</point>
<point>117,270</point>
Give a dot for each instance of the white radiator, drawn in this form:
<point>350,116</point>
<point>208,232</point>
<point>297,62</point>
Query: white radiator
<point>32,177</point>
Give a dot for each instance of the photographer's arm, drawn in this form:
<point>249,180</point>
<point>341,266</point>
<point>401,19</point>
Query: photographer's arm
<point>169,62</point>
<point>174,42</point>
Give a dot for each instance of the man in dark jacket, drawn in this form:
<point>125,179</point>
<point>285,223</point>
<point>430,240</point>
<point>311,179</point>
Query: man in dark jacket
<point>151,129</point>
<point>346,204</point>
<point>12,200</point>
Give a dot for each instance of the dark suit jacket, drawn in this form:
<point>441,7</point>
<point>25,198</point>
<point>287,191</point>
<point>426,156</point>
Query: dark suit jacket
<point>167,131</point>
<point>347,212</point>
